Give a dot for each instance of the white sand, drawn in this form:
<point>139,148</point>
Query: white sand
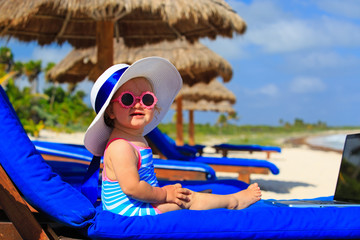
<point>304,173</point>
<point>73,138</point>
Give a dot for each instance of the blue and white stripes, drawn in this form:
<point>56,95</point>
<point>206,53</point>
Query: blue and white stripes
<point>116,201</point>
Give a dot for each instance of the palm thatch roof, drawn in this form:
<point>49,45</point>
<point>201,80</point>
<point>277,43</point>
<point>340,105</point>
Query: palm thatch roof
<point>204,105</point>
<point>195,62</point>
<point>213,91</point>
<point>137,21</point>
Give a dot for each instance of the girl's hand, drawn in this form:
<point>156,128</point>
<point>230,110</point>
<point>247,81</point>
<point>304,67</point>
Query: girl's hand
<point>176,194</point>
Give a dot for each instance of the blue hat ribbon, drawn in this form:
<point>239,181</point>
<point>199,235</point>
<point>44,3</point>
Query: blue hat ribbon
<point>106,89</point>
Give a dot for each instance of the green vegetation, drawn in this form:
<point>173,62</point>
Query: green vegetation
<point>68,113</point>
<point>251,134</point>
<point>55,109</point>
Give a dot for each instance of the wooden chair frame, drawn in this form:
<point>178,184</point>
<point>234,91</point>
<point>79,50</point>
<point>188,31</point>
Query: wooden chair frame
<point>243,171</point>
<point>19,220</point>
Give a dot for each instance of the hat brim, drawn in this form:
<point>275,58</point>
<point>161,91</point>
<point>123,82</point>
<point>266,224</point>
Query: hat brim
<point>166,82</point>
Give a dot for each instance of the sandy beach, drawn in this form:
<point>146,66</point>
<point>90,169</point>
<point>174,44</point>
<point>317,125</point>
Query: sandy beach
<point>305,171</point>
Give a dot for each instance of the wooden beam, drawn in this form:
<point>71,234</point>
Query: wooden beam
<point>46,35</point>
<point>244,172</point>
<point>179,122</point>
<point>105,45</point>
<point>8,231</point>
<point>60,17</point>
<point>17,210</point>
<point>64,25</point>
<point>191,128</point>
<point>179,175</point>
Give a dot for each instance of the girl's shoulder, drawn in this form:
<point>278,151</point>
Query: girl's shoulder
<point>117,140</point>
<point>138,145</point>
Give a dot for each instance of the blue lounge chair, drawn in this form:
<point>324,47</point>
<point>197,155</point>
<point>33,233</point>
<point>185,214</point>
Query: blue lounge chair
<point>71,162</point>
<point>170,170</point>
<point>244,167</point>
<point>224,148</point>
<point>186,149</point>
<point>60,206</point>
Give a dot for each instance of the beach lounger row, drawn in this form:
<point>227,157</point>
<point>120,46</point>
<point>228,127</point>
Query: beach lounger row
<point>165,169</point>
<point>242,166</point>
<point>37,204</point>
<point>223,148</point>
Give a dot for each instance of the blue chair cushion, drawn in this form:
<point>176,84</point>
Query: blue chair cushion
<point>238,162</point>
<point>223,186</point>
<point>254,147</point>
<point>41,187</point>
<point>259,221</point>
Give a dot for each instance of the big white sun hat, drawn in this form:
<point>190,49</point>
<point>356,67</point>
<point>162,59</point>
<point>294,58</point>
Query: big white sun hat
<point>164,78</point>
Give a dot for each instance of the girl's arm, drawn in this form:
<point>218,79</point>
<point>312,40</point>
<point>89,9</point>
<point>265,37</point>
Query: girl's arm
<point>124,161</point>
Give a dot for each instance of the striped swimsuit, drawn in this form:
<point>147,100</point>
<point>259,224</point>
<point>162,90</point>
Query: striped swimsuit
<point>115,200</point>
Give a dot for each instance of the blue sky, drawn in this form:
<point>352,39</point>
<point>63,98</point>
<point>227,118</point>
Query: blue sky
<point>297,59</point>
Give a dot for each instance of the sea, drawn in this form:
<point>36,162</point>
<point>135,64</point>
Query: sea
<point>335,141</point>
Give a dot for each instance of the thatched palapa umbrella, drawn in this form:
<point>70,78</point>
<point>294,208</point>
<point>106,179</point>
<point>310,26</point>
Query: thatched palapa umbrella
<point>205,105</point>
<point>205,97</point>
<point>195,62</point>
<point>213,91</point>
<point>94,22</point>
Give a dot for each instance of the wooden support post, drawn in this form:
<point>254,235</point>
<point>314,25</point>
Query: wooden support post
<point>17,210</point>
<point>179,122</point>
<point>105,46</point>
<point>191,128</point>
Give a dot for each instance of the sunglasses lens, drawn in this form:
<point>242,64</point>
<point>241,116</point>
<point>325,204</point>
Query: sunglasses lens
<point>127,99</point>
<point>148,100</point>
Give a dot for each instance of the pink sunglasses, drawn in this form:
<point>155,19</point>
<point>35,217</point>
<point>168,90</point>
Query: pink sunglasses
<point>127,99</point>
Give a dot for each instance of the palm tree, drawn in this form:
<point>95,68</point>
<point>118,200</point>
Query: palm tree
<point>32,70</point>
<point>48,67</point>
<point>15,71</point>
<point>6,58</point>
<point>221,121</point>
<point>71,87</point>
<point>6,62</point>
<point>233,116</point>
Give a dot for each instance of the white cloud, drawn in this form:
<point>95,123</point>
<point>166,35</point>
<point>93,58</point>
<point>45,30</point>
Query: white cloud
<point>276,30</point>
<point>300,34</point>
<point>346,8</point>
<point>281,36</point>
<point>339,32</point>
<point>259,11</point>
<point>270,90</point>
<point>322,60</point>
<point>254,14</point>
<point>307,85</point>
<point>273,30</point>
<point>226,48</point>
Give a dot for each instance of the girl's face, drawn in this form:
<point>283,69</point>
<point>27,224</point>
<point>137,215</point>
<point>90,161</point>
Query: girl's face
<point>137,116</point>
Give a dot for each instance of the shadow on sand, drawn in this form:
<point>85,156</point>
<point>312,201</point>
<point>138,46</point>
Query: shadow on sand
<point>279,186</point>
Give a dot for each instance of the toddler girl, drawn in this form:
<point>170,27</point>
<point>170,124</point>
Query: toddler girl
<point>130,101</point>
